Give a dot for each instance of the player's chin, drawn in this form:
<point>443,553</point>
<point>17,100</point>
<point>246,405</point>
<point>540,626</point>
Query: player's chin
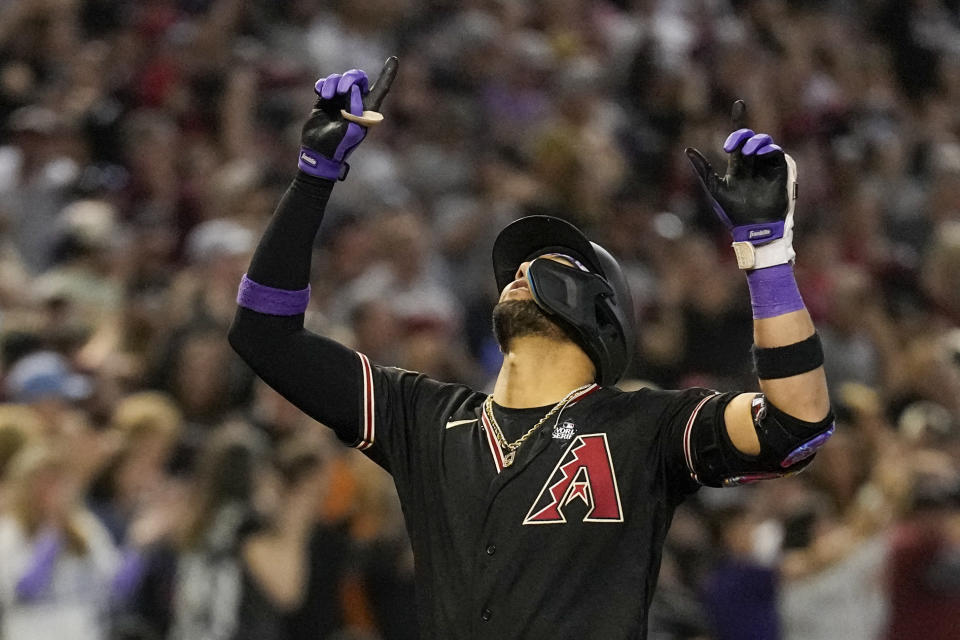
<point>518,305</point>
<point>519,318</point>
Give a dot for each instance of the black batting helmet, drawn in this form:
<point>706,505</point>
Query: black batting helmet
<point>593,305</point>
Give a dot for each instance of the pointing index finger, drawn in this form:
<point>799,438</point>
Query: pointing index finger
<point>738,114</point>
<point>381,87</point>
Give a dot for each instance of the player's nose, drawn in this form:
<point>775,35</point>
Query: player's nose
<point>522,270</point>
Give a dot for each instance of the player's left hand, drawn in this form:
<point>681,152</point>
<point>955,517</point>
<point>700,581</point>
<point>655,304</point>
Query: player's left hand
<point>340,119</point>
<point>755,198</point>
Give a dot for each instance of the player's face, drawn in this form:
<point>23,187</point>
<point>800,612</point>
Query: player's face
<point>519,289</point>
<point>518,315</point>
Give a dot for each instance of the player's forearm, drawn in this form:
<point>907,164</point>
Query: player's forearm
<point>788,359</point>
<point>282,258</point>
<point>803,395</point>
<point>274,292</point>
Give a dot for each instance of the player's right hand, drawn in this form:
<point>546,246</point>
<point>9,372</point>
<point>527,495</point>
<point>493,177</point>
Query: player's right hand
<point>755,198</point>
<point>328,138</point>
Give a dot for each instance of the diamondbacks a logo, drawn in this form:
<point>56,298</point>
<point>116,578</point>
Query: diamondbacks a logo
<point>585,472</point>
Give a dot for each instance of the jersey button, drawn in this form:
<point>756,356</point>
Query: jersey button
<point>491,549</point>
<point>486,614</point>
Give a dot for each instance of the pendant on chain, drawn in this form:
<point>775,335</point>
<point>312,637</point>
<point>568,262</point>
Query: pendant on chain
<point>508,459</point>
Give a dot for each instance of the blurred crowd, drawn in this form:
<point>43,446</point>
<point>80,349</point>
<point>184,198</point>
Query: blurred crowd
<point>151,487</point>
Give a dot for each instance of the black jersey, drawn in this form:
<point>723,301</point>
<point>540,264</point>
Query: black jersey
<point>563,543</point>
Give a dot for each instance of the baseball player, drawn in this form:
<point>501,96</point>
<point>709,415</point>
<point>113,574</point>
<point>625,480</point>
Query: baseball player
<point>540,511</point>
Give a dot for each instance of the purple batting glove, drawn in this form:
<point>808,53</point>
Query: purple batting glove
<point>327,138</point>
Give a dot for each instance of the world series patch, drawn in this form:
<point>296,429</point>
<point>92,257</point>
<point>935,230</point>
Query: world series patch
<point>564,431</point>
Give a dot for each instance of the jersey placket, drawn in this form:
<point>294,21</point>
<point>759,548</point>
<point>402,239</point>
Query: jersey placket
<point>496,545</point>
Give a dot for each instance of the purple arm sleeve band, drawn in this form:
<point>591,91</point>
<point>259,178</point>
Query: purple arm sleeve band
<point>773,291</point>
<point>37,578</point>
<point>274,302</point>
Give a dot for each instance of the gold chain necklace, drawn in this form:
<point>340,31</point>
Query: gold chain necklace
<point>511,447</point>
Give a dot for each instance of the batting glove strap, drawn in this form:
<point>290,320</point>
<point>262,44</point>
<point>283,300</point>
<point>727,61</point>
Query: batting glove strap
<point>751,256</point>
<point>318,166</point>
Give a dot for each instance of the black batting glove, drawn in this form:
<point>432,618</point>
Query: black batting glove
<point>345,109</point>
<point>755,199</point>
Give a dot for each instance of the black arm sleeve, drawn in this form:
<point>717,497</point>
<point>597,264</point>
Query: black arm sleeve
<point>282,259</point>
<point>318,375</point>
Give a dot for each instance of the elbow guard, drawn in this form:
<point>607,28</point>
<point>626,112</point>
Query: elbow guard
<point>787,446</point>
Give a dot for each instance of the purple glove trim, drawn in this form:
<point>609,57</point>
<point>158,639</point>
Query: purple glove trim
<point>758,233</point>
<point>770,148</point>
<point>274,302</point>
<point>127,578</point>
<point>356,83</point>
<point>336,83</point>
<point>760,140</point>
<point>36,580</point>
<point>773,291</point>
<point>735,139</point>
<point>326,88</point>
<point>314,164</point>
<point>354,77</point>
<point>808,448</point>
<point>355,133</point>
<point>354,136</point>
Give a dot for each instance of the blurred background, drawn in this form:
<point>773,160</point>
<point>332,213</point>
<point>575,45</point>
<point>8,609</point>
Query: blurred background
<point>152,488</point>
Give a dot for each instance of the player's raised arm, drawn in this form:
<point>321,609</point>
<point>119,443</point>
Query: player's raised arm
<point>320,376</point>
<point>780,429</point>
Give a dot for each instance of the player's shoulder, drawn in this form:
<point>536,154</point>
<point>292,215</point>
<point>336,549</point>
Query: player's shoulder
<point>426,387</point>
<point>644,393</point>
<point>651,403</point>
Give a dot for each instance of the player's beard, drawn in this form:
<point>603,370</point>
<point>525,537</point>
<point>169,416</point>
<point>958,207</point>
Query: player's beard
<point>521,318</point>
